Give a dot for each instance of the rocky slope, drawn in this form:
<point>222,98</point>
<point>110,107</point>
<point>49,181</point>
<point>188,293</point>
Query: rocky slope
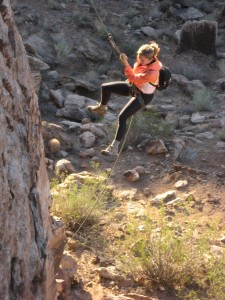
<point>70,58</point>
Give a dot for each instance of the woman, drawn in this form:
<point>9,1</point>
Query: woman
<point>142,81</point>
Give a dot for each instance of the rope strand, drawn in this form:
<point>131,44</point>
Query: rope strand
<point>106,183</point>
<point>110,38</point>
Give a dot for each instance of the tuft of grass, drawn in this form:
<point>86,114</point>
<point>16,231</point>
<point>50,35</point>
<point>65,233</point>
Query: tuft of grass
<point>132,12</point>
<point>130,47</point>
<point>189,153</point>
<point>221,135</point>
<point>203,100</point>
<point>116,34</point>
<point>76,201</point>
<point>63,49</point>
<point>151,124</point>
<point>221,66</point>
<point>91,76</point>
<point>53,4</point>
<point>82,20</point>
<point>138,21</point>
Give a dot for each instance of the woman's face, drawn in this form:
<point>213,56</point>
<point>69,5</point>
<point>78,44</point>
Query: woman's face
<point>144,60</point>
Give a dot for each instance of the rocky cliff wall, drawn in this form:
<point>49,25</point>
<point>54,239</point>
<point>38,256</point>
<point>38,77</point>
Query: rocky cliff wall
<point>26,264</point>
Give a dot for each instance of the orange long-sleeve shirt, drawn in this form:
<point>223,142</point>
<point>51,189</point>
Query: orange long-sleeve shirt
<point>142,75</point>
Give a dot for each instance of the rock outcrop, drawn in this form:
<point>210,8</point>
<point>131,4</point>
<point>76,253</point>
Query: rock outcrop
<point>200,36</point>
<point>26,261</point>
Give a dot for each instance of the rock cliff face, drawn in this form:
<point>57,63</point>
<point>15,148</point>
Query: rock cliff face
<point>26,263</point>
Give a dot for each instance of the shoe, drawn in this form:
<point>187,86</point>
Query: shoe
<point>98,109</point>
<point>110,151</point>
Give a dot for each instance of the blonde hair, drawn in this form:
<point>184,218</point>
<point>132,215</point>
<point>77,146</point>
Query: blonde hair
<point>149,50</point>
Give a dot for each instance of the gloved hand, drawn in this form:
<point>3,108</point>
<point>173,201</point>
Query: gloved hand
<point>124,60</point>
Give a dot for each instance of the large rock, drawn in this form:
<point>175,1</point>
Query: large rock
<point>186,85</point>
<point>37,66</point>
<point>200,36</point>
<point>26,261</point>
<point>94,51</point>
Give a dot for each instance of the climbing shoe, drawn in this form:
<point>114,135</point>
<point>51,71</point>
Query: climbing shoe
<point>98,109</point>
<point>110,151</point>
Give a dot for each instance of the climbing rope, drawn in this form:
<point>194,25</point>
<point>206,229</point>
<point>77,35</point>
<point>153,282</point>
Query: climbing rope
<point>110,38</point>
<point>117,52</point>
<point>106,183</point>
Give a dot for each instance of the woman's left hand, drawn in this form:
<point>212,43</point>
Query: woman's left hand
<point>124,59</point>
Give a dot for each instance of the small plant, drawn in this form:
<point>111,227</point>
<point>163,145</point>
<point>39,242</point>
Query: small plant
<point>173,255</point>
<point>116,34</point>
<point>221,135</point>
<point>189,153</point>
<point>132,12</point>
<point>149,123</point>
<point>155,11</point>
<point>82,20</point>
<point>53,4</point>
<point>202,100</point>
<point>138,21</point>
<point>91,76</point>
<point>130,48</point>
<point>63,49</point>
<point>78,202</point>
<point>210,17</point>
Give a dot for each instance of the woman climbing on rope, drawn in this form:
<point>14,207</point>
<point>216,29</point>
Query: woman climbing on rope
<point>142,81</point>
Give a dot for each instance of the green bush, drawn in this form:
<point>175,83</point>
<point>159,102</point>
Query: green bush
<point>149,123</point>
<point>138,22</point>
<point>221,135</point>
<point>63,49</point>
<point>203,100</point>
<point>53,4</point>
<point>221,65</point>
<point>77,202</point>
<point>130,48</point>
<point>173,255</point>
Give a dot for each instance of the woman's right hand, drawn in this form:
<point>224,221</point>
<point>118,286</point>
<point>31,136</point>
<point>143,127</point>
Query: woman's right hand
<point>124,59</point>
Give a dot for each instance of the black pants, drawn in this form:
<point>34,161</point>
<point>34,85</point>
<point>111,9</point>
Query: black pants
<point>134,104</point>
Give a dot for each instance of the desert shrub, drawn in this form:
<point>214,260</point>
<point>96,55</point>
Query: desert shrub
<point>78,202</point>
<point>190,153</point>
<point>203,100</point>
<point>82,20</point>
<point>173,255</point>
<point>148,123</point>
<point>53,4</point>
<point>138,21</point>
<point>63,49</point>
<point>130,47</point>
<point>91,76</point>
<point>116,34</point>
<point>221,135</point>
<point>210,17</point>
<point>132,12</point>
<point>155,12</point>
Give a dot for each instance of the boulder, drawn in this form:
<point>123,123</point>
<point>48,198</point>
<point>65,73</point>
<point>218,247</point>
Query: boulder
<point>87,139</point>
<point>155,147</point>
<point>199,36</point>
